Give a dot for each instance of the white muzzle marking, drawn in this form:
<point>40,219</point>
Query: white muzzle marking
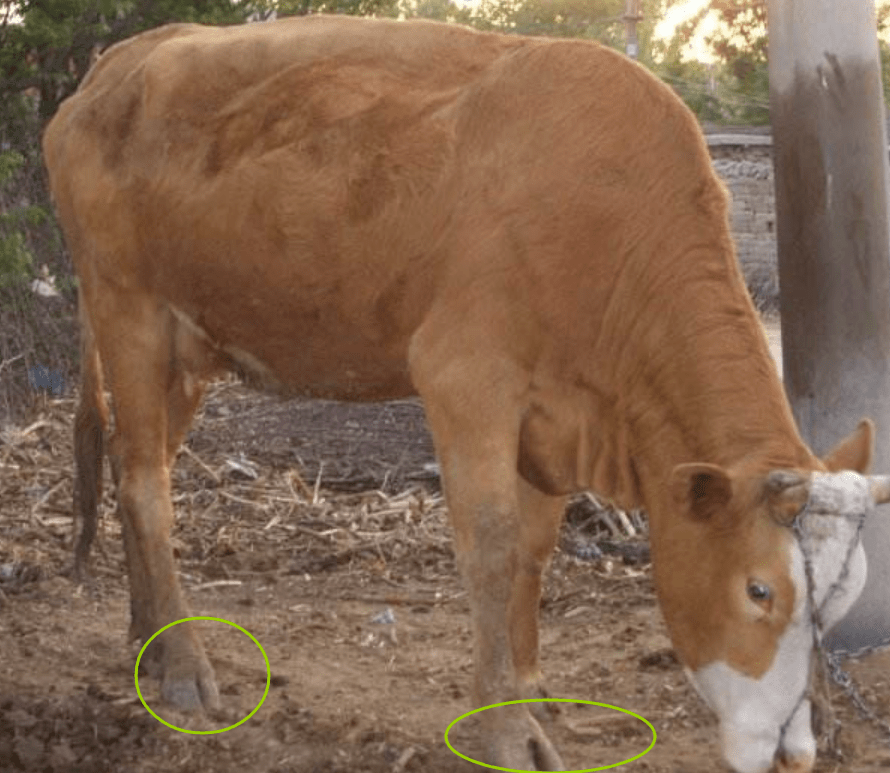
<point>753,712</point>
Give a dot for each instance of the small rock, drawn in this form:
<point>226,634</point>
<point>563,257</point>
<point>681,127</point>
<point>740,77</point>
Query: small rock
<point>30,751</point>
<point>62,757</point>
<point>386,617</point>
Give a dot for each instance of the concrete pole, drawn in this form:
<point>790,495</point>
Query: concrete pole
<point>830,145</point>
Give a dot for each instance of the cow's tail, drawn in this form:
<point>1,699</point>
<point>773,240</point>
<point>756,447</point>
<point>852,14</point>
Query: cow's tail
<point>90,426</point>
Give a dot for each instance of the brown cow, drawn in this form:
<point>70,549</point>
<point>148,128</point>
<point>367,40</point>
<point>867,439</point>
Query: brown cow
<point>527,233</point>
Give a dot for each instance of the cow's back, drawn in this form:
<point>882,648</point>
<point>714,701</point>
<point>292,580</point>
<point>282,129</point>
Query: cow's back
<point>335,181</point>
<point>185,74</point>
<point>267,172</point>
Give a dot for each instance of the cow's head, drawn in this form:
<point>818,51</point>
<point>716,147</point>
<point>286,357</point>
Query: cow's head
<point>736,570</point>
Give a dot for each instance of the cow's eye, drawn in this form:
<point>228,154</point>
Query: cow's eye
<point>759,592</point>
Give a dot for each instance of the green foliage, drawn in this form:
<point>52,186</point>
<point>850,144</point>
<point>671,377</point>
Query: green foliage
<point>740,90</point>
<point>15,257</point>
<point>10,163</point>
<point>46,48</point>
<point>264,9</point>
<point>741,44</point>
<point>735,87</point>
<point>439,10</point>
<point>48,45</point>
<point>883,10</point>
<point>695,82</point>
<point>601,20</point>
<point>566,18</point>
<point>884,50</point>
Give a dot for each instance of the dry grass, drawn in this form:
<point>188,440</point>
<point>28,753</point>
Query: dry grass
<point>241,515</point>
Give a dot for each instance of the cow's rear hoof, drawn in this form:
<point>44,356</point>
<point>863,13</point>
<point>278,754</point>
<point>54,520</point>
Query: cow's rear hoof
<point>191,689</point>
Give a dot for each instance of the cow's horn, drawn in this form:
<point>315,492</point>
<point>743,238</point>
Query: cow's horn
<point>880,488</point>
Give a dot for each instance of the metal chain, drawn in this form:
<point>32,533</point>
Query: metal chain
<point>843,680</point>
<point>817,682</point>
<point>827,665</point>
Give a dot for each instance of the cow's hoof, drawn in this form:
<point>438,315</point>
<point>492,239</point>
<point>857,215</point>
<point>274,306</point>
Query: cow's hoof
<point>521,744</point>
<point>190,687</point>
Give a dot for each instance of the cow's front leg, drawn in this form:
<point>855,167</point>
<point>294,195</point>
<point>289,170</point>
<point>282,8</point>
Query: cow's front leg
<point>500,558</point>
<point>502,582</point>
<point>540,519</point>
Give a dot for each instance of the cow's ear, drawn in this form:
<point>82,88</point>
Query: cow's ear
<point>854,452</point>
<point>702,490</point>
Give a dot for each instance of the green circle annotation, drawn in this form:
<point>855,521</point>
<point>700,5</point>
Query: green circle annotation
<point>222,729</point>
<point>552,700</point>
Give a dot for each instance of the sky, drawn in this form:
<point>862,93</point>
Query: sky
<point>679,13</point>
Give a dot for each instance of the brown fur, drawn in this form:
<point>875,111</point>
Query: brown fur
<point>526,232</point>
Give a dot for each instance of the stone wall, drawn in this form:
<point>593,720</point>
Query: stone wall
<point>744,163</point>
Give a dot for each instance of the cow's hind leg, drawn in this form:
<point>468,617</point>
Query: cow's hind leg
<point>192,367</point>
<point>195,363</point>
<point>473,408</point>
<point>139,352</point>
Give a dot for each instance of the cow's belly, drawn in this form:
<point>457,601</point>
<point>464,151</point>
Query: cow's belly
<point>312,303</point>
<point>293,352</point>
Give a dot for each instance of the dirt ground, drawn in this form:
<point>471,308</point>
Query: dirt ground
<point>320,529</point>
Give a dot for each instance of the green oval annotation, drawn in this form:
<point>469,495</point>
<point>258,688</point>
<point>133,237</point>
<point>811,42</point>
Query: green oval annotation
<point>553,700</point>
<point>222,729</point>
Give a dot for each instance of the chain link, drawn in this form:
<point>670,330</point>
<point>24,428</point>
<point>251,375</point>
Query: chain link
<point>843,680</point>
<point>827,665</point>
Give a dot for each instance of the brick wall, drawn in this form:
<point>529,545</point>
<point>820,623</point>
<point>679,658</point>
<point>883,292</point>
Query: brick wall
<point>744,163</point>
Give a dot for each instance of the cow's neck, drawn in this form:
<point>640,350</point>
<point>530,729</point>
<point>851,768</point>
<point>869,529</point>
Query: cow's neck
<point>722,403</point>
<point>693,381</point>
